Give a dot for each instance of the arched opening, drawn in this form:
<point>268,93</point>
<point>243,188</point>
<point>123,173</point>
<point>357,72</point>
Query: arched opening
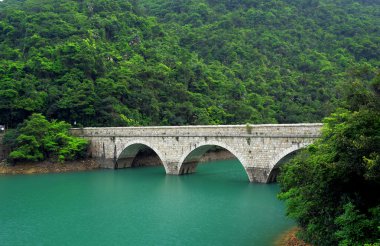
<point>138,155</point>
<point>206,153</point>
<point>276,168</point>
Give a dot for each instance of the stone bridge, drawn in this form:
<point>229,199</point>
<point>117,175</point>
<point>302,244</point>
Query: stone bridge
<point>259,148</point>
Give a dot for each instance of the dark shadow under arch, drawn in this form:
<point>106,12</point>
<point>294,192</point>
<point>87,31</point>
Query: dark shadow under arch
<point>138,155</point>
<point>204,153</point>
<point>276,169</point>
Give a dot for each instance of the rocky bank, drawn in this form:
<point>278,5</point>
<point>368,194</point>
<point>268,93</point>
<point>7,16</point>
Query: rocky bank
<point>289,238</point>
<point>142,159</point>
<point>48,167</point>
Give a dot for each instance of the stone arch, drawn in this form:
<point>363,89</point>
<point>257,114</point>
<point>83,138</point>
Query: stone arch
<point>277,160</point>
<point>190,159</point>
<point>128,151</point>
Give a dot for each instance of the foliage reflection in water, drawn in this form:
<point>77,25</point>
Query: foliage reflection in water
<point>141,206</point>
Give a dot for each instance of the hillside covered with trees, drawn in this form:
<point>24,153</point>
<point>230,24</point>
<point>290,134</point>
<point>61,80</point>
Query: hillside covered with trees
<point>161,62</point>
<point>332,188</point>
<point>180,62</point>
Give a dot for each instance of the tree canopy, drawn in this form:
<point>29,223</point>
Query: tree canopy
<point>160,62</point>
<point>37,139</point>
<point>332,188</point>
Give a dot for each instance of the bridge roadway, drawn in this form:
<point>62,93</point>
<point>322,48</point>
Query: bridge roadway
<point>259,148</point>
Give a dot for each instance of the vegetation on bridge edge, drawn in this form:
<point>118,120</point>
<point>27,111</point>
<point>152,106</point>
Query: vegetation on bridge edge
<point>332,188</point>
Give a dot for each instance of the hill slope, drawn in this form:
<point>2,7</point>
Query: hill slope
<point>161,62</point>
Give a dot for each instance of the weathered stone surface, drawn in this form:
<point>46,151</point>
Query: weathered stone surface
<point>258,174</point>
<point>180,148</point>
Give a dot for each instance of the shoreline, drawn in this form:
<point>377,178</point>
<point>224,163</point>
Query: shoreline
<point>48,167</point>
<point>91,164</point>
<point>289,238</point>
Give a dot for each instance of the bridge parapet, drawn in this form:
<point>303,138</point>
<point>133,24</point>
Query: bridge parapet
<point>265,130</point>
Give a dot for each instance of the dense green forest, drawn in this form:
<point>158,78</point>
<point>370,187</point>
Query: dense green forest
<point>177,62</point>
<point>37,139</point>
<point>332,188</point>
<point>166,62</point>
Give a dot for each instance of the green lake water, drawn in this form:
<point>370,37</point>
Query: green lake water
<point>141,206</point>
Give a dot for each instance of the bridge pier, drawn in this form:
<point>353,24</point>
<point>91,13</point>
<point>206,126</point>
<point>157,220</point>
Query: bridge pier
<point>108,163</point>
<point>172,168</point>
<point>258,174</point>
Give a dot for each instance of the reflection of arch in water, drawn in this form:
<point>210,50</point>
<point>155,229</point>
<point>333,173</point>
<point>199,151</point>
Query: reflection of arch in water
<point>281,158</point>
<point>189,161</point>
<point>132,149</point>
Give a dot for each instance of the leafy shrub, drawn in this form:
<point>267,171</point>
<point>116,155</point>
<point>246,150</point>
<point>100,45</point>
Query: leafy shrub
<point>332,188</point>
<point>37,139</point>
